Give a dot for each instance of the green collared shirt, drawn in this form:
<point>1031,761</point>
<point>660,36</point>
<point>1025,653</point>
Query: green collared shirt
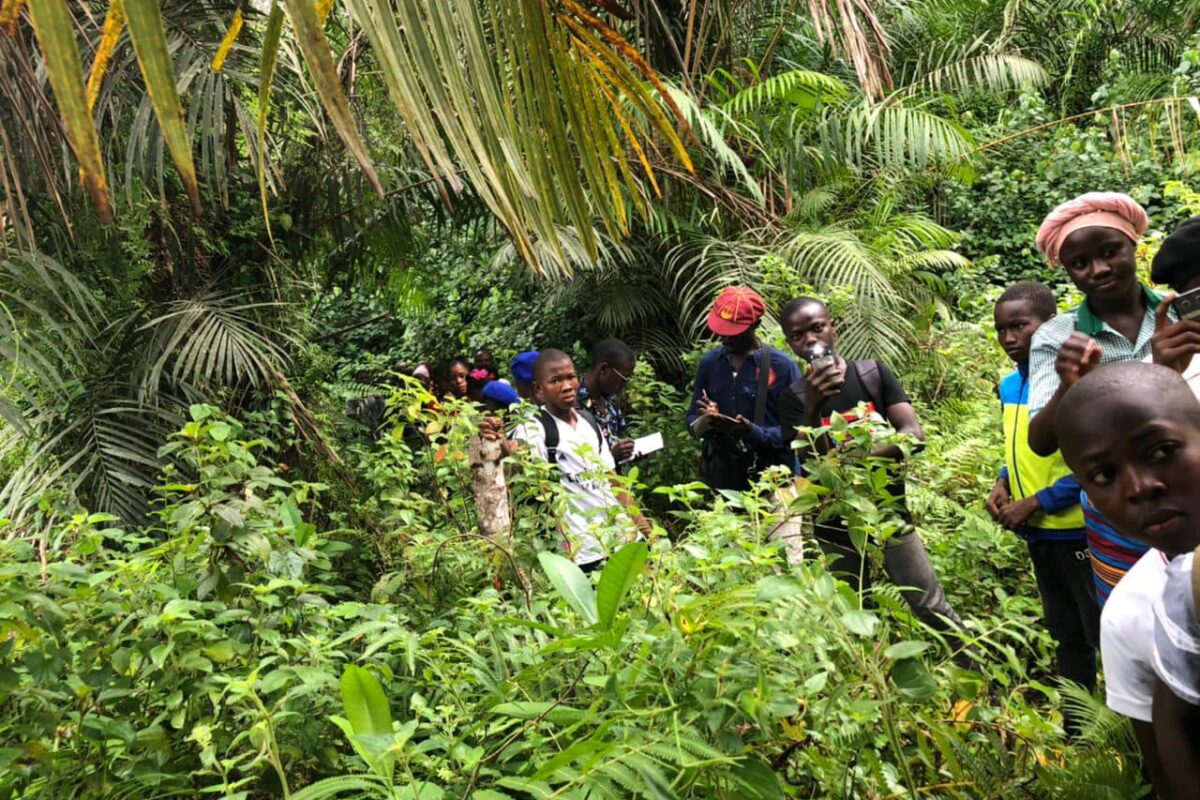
<point>1114,347</point>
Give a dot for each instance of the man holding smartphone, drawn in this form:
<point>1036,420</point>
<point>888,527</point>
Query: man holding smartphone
<point>832,385</point>
<point>735,403</point>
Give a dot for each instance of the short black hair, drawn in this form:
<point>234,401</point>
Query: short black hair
<point>613,352</point>
<point>1177,262</point>
<point>1163,388</point>
<point>546,359</point>
<point>792,306</point>
<point>1038,295</point>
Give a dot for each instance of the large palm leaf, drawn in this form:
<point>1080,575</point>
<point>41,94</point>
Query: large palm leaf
<point>89,394</point>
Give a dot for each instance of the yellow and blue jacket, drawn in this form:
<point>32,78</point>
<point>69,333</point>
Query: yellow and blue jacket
<point>1028,474</point>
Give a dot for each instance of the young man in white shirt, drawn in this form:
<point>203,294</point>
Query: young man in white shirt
<point>1131,434</point>
<point>579,450</point>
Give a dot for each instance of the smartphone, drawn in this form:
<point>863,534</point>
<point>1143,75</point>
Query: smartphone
<point>1187,305</point>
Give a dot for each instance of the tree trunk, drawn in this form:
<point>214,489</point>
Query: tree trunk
<point>491,491</point>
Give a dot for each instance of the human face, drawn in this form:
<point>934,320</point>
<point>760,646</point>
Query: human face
<point>1015,325</point>
<point>808,326</point>
<point>1100,262</point>
<point>742,343</point>
<point>612,380</point>
<point>456,380</point>
<point>485,360</point>
<point>1140,467</point>
<point>558,386</point>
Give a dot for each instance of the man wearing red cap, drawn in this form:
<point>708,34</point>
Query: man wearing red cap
<point>735,404</point>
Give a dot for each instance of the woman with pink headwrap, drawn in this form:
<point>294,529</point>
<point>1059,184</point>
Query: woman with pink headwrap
<point>1094,238</point>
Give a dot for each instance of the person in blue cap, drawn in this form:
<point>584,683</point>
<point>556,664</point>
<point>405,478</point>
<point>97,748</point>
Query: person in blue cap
<point>522,374</point>
<point>499,396</point>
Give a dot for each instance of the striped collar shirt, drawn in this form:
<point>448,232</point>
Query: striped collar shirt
<point>1114,347</point>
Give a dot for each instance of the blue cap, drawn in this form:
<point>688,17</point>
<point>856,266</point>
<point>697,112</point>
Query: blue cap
<point>500,392</point>
<point>522,367</point>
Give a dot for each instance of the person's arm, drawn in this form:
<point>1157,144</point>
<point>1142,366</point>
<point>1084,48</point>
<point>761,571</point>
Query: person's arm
<point>1077,356</point>
<point>902,417</point>
<point>701,384</point>
<point>1151,761</point>
<point>1176,738</point>
<point>1060,496</point>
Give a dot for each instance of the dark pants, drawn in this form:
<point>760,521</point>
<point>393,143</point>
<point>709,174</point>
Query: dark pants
<point>907,564</point>
<point>1064,578</point>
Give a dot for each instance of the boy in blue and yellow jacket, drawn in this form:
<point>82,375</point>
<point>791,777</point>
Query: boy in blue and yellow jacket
<point>1038,498</point>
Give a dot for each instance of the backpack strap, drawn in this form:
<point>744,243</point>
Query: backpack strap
<point>872,381</point>
<point>591,420</point>
<point>764,377</point>
<point>550,430</point>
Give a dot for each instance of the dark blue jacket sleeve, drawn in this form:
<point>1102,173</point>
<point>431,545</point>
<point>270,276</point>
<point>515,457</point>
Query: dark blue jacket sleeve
<point>1061,496</point>
<point>700,385</point>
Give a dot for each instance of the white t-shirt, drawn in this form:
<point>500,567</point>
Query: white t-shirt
<point>1177,632</point>
<point>586,465</point>
<point>1127,637</point>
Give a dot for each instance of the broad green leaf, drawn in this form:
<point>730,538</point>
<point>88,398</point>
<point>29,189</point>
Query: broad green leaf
<point>776,587</point>
<point>906,650</point>
<point>365,703</point>
<point>571,584</point>
<point>114,23</point>
<point>221,651</point>
<point>55,30</point>
<point>150,44</point>
<point>757,781</point>
<point>319,57</point>
<point>528,710</point>
<point>913,679</point>
<point>616,579</point>
<point>860,622</point>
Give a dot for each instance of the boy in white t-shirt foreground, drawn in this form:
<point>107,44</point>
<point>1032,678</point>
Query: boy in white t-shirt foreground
<point>1131,434</point>
<point>571,439</point>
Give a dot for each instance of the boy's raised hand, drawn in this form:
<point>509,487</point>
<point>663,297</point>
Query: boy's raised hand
<point>825,382</point>
<point>1078,356</point>
<point>1174,343</point>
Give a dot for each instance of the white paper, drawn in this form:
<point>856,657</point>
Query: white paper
<point>646,445</point>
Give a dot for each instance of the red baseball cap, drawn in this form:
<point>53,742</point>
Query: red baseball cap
<point>737,309</point>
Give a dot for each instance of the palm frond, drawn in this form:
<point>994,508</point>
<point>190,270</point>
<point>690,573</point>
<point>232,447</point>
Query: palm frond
<point>214,339</point>
<point>796,87</point>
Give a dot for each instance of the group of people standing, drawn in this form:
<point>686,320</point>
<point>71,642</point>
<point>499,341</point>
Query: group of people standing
<point>1101,462</point>
<point>1100,472</point>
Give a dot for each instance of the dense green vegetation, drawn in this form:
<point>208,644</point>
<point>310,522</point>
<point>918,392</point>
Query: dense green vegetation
<point>215,583</point>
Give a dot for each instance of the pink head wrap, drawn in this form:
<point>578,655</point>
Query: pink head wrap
<point>1094,209</point>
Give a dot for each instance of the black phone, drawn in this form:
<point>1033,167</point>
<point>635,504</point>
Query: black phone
<point>1187,305</point>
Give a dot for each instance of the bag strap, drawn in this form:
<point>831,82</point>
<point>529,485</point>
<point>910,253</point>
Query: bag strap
<point>764,377</point>
<point>550,429</point>
<point>591,420</point>
<point>872,381</point>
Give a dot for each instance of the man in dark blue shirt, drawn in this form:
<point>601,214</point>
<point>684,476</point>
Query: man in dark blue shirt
<point>737,446</point>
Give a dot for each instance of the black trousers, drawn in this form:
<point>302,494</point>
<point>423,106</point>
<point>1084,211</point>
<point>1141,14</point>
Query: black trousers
<point>1068,589</point>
